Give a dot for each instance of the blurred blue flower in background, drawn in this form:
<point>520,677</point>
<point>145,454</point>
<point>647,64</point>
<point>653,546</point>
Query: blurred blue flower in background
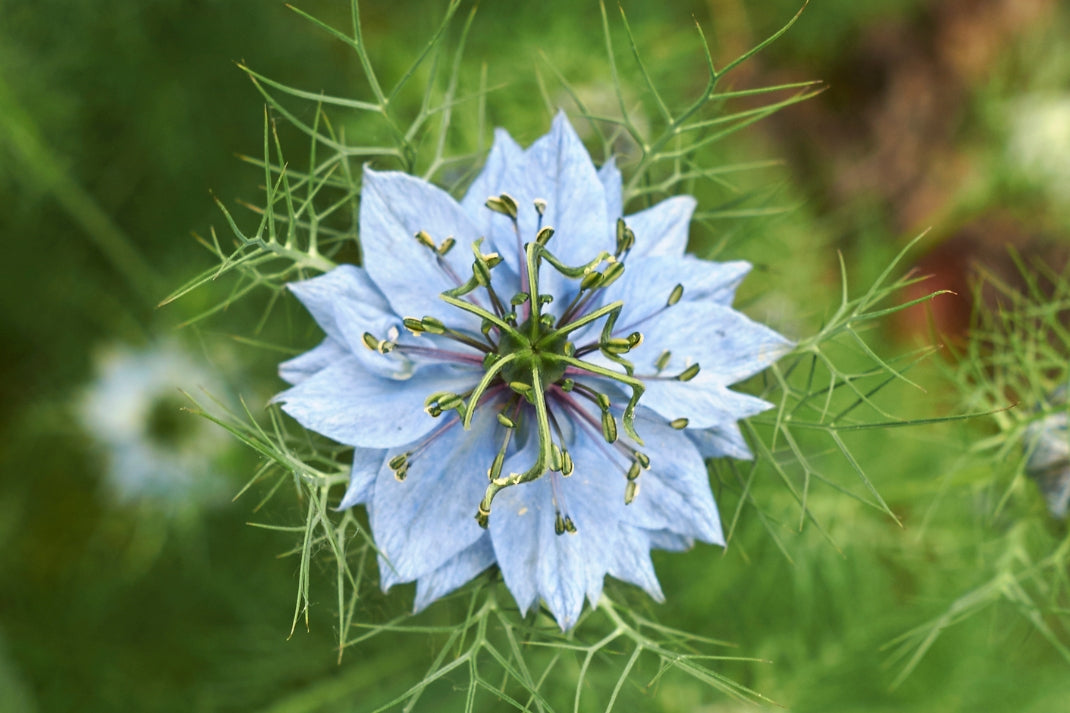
<point>1047,444</point>
<point>156,453</point>
<point>529,359</point>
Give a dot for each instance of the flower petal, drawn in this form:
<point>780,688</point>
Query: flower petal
<point>646,285</point>
<point>366,465</point>
<point>301,367</point>
<point>674,494</point>
<point>353,406</point>
<point>609,176</point>
<point>566,569</point>
<point>491,181</point>
<point>456,571</point>
<point>662,229</point>
<point>394,207</point>
<point>665,540</point>
<point>565,177</point>
<point>422,521</point>
<point>720,442</point>
<point>724,342</point>
<point>705,403</point>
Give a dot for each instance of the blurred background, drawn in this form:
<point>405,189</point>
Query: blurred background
<point>129,580</point>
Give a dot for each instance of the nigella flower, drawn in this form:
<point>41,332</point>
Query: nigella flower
<point>528,380</point>
<point>156,453</point>
<point>1047,443</point>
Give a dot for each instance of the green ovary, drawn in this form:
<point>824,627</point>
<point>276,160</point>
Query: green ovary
<point>540,354</point>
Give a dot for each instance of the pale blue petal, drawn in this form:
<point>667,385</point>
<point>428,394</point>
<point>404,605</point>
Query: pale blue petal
<point>646,285</point>
<point>345,283</point>
<point>421,522</point>
<point>459,569</point>
<point>394,207</point>
<point>366,465</point>
<point>724,342</point>
<point>666,540</point>
<point>536,562</point>
<point>704,402</point>
<point>305,365</point>
<point>563,570</point>
<point>491,181</point>
<point>674,494</point>
<point>631,562</point>
<point>662,229</point>
<point>346,304</point>
<point>724,441</point>
<point>609,177</point>
<point>350,405</point>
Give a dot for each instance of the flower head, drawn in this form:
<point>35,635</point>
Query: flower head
<point>156,453</point>
<point>528,379</point>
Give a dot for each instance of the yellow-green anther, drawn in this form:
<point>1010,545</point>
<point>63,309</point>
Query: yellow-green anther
<point>495,470</point>
<point>450,401</point>
<point>570,527</point>
<point>603,401</point>
<point>663,360</point>
<point>510,205</point>
<point>616,345</point>
<point>591,280</point>
<point>643,459</point>
<point>544,235</point>
<point>555,457</point>
<point>506,421</point>
<point>446,246</point>
<point>634,470</point>
<point>675,295</point>
<point>611,274</point>
<point>635,339</point>
<point>566,463</point>
<point>386,347</point>
<point>546,320</point>
<point>545,299</point>
<point>566,385</point>
<point>401,474</point>
<point>370,341</point>
<point>424,239</point>
<point>413,325</point>
<point>630,491</point>
<point>519,298</point>
<point>559,523</point>
<point>499,206</point>
<point>569,350</point>
<point>399,461</point>
<point>609,427</point>
<point>540,206</point>
<point>430,324</point>
<point>492,259</point>
<point>689,373</point>
<point>625,237</point>
<point>520,387</point>
<point>481,271</point>
<point>679,423</point>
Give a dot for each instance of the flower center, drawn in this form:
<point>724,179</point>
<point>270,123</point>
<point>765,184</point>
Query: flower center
<point>541,354</point>
<point>530,366</point>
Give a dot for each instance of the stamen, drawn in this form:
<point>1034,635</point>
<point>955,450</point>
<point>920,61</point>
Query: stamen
<point>663,361</point>
<point>689,373</point>
<point>675,295</point>
<point>679,423</point>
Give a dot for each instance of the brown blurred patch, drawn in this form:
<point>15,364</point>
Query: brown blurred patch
<point>894,132</point>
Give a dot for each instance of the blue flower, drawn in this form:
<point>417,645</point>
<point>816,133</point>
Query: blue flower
<point>528,380</point>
